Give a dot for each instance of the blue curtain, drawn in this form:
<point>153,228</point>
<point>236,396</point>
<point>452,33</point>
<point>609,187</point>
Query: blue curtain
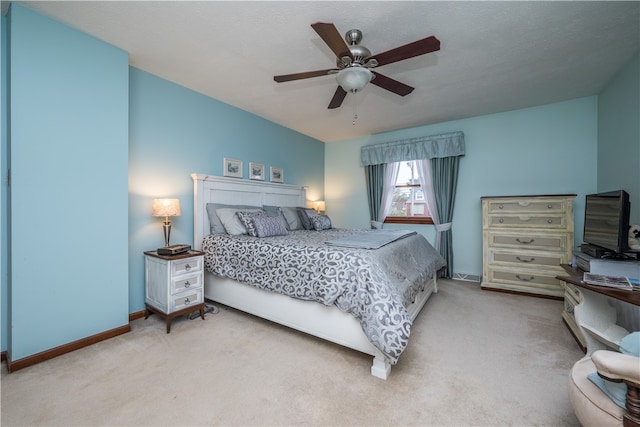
<point>444,172</point>
<point>374,177</point>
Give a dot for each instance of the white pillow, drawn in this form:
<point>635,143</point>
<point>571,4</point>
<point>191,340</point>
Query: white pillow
<point>230,220</point>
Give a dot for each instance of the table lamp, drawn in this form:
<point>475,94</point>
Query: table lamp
<point>320,206</point>
<point>166,208</point>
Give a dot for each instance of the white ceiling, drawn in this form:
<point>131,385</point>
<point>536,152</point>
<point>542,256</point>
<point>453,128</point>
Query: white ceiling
<point>494,57</point>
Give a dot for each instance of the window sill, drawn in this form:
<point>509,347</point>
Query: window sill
<point>408,220</point>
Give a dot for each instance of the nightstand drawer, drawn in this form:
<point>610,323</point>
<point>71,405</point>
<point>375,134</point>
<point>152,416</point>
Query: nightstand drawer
<point>184,266</point>
<point>186,299</point>
<point>186,282</point>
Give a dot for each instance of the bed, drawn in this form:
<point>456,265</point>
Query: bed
<point>320,312</point>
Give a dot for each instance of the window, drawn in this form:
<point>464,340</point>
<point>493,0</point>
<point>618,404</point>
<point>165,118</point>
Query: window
<point>409,204</point>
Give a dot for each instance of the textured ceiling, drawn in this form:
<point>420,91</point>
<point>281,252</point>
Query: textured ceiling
<point>494,57</point>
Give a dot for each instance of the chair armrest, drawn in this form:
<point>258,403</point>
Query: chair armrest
<point>617,366</point>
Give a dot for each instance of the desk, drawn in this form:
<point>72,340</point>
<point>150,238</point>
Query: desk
<point>594,315</point>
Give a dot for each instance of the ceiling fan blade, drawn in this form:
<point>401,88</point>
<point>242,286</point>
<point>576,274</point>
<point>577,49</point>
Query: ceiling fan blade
<point>417,48</point>
<point>332,38</point>
<point>304,75</point>
<point>391,85</point>
<point>337,99</point>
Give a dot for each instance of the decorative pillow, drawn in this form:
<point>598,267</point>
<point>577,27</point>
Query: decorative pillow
<point>230,220</point>
<point>215,225</point>
<point>321,222</point>
<point>269,226</point>
<point>292,218</point>
<point>246,218</point>
<point>305,215</point>
<point>617,392</point>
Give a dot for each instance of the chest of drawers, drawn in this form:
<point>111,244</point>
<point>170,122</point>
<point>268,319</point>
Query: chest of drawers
<point>525,240</point>
<point>174,284</point>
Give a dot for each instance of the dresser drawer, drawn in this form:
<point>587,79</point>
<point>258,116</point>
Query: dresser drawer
<point>531,279</point>
<point>184,266</point>
<point>527,258</point>
<point>185,282</point>
<point>551,221</point>
<point>526,205</point>
<point>186,299</point>
<point>547,242</point>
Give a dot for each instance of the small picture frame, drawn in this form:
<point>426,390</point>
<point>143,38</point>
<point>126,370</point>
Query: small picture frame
<point>232,168</point>
<point>277,174</point>
<point>256,171</point>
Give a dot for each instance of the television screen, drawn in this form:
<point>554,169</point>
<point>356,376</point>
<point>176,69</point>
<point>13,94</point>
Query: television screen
<point>606,220</point>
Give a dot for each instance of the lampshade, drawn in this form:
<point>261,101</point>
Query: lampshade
<point>353,79</point>
<point>319,205</point>
<point>166,207</point>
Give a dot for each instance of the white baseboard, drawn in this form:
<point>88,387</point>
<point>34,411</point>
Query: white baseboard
<point>467,277</point>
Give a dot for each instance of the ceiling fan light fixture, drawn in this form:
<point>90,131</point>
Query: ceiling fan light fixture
<point>353,79</point>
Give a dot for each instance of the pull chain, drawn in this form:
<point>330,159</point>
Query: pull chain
<point>355,111</point>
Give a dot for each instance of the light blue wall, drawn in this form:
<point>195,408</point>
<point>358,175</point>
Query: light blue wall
<point>540,150</point>
<point>68,121</point>
<point>175,132</point>
<point>619,135</point>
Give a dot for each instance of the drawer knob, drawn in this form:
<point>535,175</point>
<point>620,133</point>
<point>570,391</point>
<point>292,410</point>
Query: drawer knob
<point>186,301</point>
<point>525,260</point>
<point>549,206</point>
<point>501,220</point>
<point>524,279</point>
<point>523,242</point>
<point>550,221</point>
<point>500,207</point>
<point>187,267</point>
<point>187,284</point>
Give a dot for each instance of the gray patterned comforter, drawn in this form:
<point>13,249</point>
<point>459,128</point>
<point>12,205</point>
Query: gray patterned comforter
<point>375,286</point>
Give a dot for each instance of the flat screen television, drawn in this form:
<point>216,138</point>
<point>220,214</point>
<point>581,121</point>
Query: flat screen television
<point>606,221</point>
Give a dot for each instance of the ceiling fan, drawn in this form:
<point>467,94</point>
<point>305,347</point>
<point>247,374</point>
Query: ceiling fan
<point>354,62</point>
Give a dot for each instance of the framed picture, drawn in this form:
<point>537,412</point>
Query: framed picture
<point>277,174</point>
<point>256,171</point>
<point>232,168</point>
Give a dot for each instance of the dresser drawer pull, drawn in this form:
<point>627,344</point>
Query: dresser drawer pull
<point>186,301</point>
<point>524,279</point>
<point>187,267</point>
<point>187,284</point>
<point>501,220</point>
<point>525,260</point>
<point>550,221</point>
<point>523,242</point>
<point>500,207</point>
<point>549,206</point>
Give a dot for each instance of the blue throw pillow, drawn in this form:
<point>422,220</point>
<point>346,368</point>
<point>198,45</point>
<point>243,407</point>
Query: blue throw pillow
<point>269,226</point>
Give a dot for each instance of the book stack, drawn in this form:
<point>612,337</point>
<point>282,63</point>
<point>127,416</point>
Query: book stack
<point>628,283</point>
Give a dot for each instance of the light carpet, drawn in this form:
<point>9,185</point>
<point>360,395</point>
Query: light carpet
<point>475,358</point>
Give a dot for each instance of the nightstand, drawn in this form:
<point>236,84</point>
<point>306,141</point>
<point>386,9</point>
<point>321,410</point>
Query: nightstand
<point>173,284</point>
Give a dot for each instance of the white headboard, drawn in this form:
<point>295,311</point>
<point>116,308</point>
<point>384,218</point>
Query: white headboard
<point>234,191</point>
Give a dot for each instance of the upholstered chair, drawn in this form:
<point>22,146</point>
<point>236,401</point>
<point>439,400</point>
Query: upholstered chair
<point>618,379</point>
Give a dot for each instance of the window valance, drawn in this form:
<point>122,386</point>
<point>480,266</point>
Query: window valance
<point>424,147</point>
